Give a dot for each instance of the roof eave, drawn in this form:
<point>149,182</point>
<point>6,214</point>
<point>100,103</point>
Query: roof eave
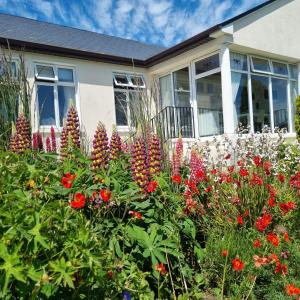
<point>72,53</point>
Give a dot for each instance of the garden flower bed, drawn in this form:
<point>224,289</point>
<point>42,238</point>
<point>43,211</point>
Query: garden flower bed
<point>127,223</point>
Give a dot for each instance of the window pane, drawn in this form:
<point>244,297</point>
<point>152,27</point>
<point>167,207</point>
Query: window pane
<point>181,87</point>
<point>165,84</point>
<point>45,71</point>
<point>240,98</point>
<point>279,92</point>
<point>294,72</point>
<point>294,94</point>
<point>11,65</point>
<point>238,62</point>
<point>46,104</point>
<point>65,75</point>
<point>121,79</point>
<point>260,64</point>
<point>137,81</point>
<point>209,100</point>
<point>207,64</point>
<point>280,68</point>
<point>260,102</point>
<point>121,109</point>
<point>66,97</point>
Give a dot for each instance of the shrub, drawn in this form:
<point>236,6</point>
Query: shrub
<point>297,117</point>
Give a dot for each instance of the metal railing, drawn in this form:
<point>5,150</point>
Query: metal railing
<point>175,121</point>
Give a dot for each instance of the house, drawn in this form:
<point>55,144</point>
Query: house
<point>244,70</point>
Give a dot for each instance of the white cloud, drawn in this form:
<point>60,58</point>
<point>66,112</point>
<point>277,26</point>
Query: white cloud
<point>163,22</point>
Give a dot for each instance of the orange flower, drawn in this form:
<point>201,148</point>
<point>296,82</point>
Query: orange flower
<point>78,201</point>
<point>135,214</point>
<point>237,264</point>
<point>286,237</point>
<point>225,253</point>
<point>152,186</point>
<point>260,261</point>
<point>292,290</point>
<point>161,269</point>
<point>240,220</point>
<point>105,195</point>
<point>256,243</point>
<point>273,239</point>
<point>176,179</point>
<point>67,180</point>
<point>273,258</point>
<point>281,268</point>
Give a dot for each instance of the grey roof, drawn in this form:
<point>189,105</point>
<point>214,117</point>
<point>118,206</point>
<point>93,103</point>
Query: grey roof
<point>43,33</point>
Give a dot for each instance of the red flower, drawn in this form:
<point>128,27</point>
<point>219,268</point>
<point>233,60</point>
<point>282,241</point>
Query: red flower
<point>67,180</point>
<point>135,214</point>
<point>246,213</point>
<point>286,237</point>
<point>227,156</point>
<point>292,290</point>
<point>213,171</point>
<point>271,201</point>
<point>295,180</point>
<point>152,185</point>
<point>240,220</point>
<point>257,243</point>
<point>191,204</point>
<point>273,239</point>
<point>281,268</point>
<point>176,179</point>
<point>273,258</point>
<point>286,207</point>
<point>224,253</point>
<point>256,180</point>
<point>263,222</point>
<point>208,189</point>
<point>105,195</point>
<point>281,178</point>
<point>237,264</point>
<point>78,201</point>
<point>257,160</point>
<point>230,169</point>
<point>109,274</point>
<point>267,167</point>
<point>240,163</point>
<point>243,172</point>
<point>161,269</point>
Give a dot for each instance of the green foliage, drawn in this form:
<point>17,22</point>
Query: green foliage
<point>166,244</point>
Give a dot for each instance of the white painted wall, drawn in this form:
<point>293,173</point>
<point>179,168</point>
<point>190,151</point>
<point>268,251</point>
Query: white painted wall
<point>274,28</point>
<point>94,86</point>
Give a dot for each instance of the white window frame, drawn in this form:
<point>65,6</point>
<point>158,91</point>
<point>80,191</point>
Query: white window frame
<point>136,89</point>
<point>270,75</point>
<point>37,77</point>
<point>55,84</point>
<point>259,71</point>
<point>280,75</point>
<point>128,76</point>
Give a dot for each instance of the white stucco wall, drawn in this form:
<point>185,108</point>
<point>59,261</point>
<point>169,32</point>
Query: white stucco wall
<point>274,28</point>
<point>94,88</point>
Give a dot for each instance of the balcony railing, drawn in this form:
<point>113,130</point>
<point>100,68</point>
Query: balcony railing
<point>175,121</point>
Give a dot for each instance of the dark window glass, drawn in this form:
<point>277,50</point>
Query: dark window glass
<point>207,64</point>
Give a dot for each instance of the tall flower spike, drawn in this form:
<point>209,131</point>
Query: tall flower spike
<point>196,167</point>
<point>37,142</point>
<point>23,133</point>
<point>48,145</point>
<point>177,157</point>
<point>53,140</point>
<point>115,145</point>
<point>154,155</point>
<point>139,166</point>
<point>100,153</point>
<point>13,144</point>
<point>70,136</point>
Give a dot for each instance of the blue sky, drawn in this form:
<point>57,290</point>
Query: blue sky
<point>161,22</point>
